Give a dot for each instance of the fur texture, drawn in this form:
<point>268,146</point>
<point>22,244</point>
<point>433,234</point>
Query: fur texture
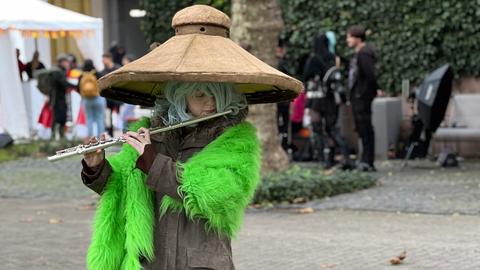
<point>218,182</point>
<point>123,224</point>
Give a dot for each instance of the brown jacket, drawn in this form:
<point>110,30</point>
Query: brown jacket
<point>179,243</point>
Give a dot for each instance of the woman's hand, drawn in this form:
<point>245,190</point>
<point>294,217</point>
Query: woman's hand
<point>138,139</point>
<point>95,158</point>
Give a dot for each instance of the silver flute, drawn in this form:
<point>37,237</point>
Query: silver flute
<point>92,147</point>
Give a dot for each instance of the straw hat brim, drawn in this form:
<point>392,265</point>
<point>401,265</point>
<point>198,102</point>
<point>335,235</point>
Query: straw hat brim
<point>198,58</point>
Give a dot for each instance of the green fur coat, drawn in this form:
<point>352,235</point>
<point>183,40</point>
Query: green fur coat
<point>215,186</point>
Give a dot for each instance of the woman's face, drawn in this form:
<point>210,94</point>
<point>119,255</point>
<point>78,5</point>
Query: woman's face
<point>199,104</point>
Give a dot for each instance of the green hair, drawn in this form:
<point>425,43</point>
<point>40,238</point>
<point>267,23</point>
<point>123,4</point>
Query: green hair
<point>172,108</point>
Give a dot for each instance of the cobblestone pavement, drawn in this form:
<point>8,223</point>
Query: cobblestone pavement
<point>269,240</point>
<point>46,215</point>
<point>421,187</point>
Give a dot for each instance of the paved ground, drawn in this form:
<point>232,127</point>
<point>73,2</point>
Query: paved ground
<point>45,218</point>
<point>421,187</point>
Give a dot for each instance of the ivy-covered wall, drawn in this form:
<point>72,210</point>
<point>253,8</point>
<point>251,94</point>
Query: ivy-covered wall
<point>412,37</point>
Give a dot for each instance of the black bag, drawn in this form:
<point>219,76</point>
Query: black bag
<point>447,158</point>
<point>315,87</point>
<point>46,80</point>
<point>330,84</point>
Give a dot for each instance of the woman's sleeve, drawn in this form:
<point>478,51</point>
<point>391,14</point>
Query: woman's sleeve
<point>161,175</point>
<point>96,177</point>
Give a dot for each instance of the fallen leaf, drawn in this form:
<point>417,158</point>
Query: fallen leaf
<point>299,200</point>
<point>87,206</point>
<point>395,261</point>
<point>329,266</point>
<point>328,172</point>
<point>54,221</point>
<point>26,220</point>
<point>398,259</point>
<point>307,210</point>
<point>42,212</point>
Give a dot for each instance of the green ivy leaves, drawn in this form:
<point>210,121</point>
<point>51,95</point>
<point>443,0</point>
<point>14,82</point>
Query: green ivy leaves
<point>412,37</point>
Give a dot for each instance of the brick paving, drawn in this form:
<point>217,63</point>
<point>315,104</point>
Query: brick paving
<point>421,187</point>
<point>433,214</point>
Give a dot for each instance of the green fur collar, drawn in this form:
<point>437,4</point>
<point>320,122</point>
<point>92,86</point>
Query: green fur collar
<point>216,184</point>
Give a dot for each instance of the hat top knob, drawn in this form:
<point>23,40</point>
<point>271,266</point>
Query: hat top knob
<point>201,19</point>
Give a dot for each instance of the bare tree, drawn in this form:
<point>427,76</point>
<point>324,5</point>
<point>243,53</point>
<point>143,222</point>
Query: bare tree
<point>258,24</point>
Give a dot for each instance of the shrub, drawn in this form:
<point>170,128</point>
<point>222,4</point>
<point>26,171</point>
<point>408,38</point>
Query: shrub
<point>309,184</point>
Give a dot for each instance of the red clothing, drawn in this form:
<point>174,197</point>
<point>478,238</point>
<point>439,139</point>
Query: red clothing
<point>21,67</point>
<point>298,106</point>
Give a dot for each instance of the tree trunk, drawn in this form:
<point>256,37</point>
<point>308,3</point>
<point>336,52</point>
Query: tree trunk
<point>258,24</point>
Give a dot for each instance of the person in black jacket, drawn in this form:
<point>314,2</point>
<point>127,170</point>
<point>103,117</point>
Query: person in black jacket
<point>363,86</point>
<point>324,107</point>
<point>57,97</point>
<point>283,108</point>
<point>34,65</point>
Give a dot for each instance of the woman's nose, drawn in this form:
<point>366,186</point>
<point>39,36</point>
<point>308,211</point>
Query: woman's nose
<point>211,101</point>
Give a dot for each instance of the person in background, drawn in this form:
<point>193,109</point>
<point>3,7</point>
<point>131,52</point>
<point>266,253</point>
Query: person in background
<point>322,104</point>
<point>283,108</point>
<point>117,52</point>
<point>21,65</point>
<point>362,84</point>
<point>93,103</point>
<point>34,65</point>
<point>127,59</point>
<point>73,61</point>
<point>127,111</point>
<point>57,97</point>
<point>112,105</point>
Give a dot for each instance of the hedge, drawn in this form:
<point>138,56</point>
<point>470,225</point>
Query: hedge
<point>308,184</point>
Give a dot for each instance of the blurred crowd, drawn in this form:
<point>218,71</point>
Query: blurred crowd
<point>308,127</point>
<point>57,84</point>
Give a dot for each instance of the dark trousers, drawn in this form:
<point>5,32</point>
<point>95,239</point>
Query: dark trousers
<point>327,136</point>
<point>283,119</point>
<point>59,119</point>
<point>362,114</point>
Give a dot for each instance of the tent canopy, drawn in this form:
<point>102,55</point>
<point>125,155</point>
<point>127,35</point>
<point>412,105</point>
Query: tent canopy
<point>36,15</point>
<point>31,17</point>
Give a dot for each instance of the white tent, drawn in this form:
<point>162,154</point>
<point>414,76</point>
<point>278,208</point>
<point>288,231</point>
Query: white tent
<point>20,22</point>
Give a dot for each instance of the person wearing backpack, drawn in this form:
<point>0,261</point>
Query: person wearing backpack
<point>322,103</point>
<point>93,103</point>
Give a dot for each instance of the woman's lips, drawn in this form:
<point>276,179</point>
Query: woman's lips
<point>209,111</point>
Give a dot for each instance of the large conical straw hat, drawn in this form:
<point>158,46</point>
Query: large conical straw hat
<point>199,52</point>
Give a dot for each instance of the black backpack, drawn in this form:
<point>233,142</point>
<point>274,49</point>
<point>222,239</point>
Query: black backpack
<point>331,83</point>
<point>46,80</point>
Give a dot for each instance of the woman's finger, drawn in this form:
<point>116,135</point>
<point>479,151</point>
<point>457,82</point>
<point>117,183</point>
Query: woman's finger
<point>146,134</point>
<point>92,139</point>
<point>137,136</point>
<point>134,143</point>
<point>103,137</point>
